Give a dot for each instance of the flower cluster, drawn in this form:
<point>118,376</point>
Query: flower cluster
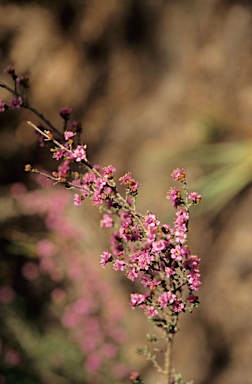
<point>155,254</point>
<point>141,246</point>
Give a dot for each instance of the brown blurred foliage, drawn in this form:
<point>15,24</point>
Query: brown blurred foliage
<point>149,78</point>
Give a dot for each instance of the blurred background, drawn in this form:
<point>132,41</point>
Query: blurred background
<point>157,84</point>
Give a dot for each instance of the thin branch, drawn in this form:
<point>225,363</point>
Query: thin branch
<point>28,106</point>
<point>168,358</point>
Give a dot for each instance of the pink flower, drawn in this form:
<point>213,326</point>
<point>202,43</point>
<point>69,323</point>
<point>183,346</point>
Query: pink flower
<point>68,135</point>
<point>65,113</point>
<point>195,197</point>
<point>132,274</point>
<point>165,298</point>
<point>77,199</point>
<point>58,153</point>
<point>176,253</point>
<point>174,195</point>
<point>194,280</point>
<point>118,265</point>
<point>151,220</point>
<point>162,300</point>
<point>158,246</point>
<point>134,375</point>
<point>169,271</point>
<point>151,311</point>
<point>64,168</point>
<point>130,183</point>
<point>192,298</point>
<point>16,102</point>
<point>107,221</point>
<point>105,257</point>
<point>180,235</point>
<point>9,70</point>
<point>178,306</point>
<point>108,171</point>
<point>153,284</point>
<point>137,299</point>
<point>144,260</point>
<point>28,167</point>
<point>182,216</point>
<point>178,174</point>
<point>80,153</point>
<point>23,80</point>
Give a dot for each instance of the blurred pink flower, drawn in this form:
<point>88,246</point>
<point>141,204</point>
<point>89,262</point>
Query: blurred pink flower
<point>121,370</point>
<point>12,357</point>
<point>30,271</point>
<point>58,295</point>
<point>109,350</point>
<point>93,363</point>
<point>45,248</point>
<point>7,294</point>
<point>18,190</point>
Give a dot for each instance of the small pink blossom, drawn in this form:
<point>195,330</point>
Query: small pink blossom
<point>108,171</point>
<point>192,298</point>
<point>23,80</point>
<point>107,221</point>
<point>195,197</point>
<point>105,257</point>
<point>80,153</point>
<point>165,298</point>
<point>58,153</point>
<point>65,113</point>
<point>151,220</point>
<point>194,280</point>
<point>151,311</point>
<point>9,70</point>
<point>178,306</point>
<point>169,271</point>
<point>158,246</point>
<point>68,135</point>
<point>178,174</point>
<point>176,253</point>
<point>134,375</point>
<point>130,183</point>
<point>77,199</point>
<point>174,195</point>
<point>137,299</point>
<point>132,274</point>
<point>16,102</point>
<point>118,265</point>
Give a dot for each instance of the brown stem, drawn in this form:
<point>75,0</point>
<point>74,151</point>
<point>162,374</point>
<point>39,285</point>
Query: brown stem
<point>28,106</point>
<point>168,358</point>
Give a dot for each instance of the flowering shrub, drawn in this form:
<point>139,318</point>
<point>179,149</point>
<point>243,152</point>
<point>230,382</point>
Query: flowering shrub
<point>155,254</point>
